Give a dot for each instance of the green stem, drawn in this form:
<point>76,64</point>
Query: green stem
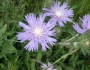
<point>37,61</point>
<point>33,65</point>
<point>65,56</point>
<point>67,41</point>
<point>39,55</point>
<point>64,43</point>
<point>72,38</point>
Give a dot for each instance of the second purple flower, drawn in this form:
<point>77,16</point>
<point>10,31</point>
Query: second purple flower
<point>59,13</point>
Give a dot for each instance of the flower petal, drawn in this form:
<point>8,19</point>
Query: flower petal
<point>78,29</point>
<point>31,46</point>
<point>26,27</point>
<point>23,36</point>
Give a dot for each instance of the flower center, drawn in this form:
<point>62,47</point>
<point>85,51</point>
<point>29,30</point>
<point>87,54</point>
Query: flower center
<point>38,32</point>
<point>58,13</point>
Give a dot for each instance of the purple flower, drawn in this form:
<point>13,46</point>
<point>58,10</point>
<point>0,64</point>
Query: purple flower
<point>59,13</point>
<point>37,32</point>
<point>46,65</point>
<point>85,25</point>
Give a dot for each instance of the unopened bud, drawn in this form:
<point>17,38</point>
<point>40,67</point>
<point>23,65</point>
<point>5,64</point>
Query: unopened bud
<point>87,43</point>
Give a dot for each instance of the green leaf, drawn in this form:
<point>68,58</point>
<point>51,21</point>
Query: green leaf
<point>2,66</point>
<point>8,48</point>
<point>3,30</point>
<point>27,57</point>
<point>32,65</point>
<point>58,67</point>
<point>1,55</point>
<point>39,55</point>
<point>69,68</point>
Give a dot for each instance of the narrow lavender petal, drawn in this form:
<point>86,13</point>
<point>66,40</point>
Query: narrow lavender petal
<point>36,45</point>
<point>31,46</point>
<point>86,22</point>
<point>44,66</point>
<point>53,20</point>
<point>57,3</point>
<point>49,64</point>
<point>41,18</point>
<point>67,19</point>
<point>30,18</point>
<point>54,69</point>
<point>78,29</point>
<point>51,40</point>
<point>60,23</point>
<point>48,14</point>
<point>64,6</point>
<point>23,36</point>
<point>84,25</point>
<point>44,46</point>
<point>50,25</point>
<point>28,47</point>
<point>70,13</point>
<point>51,33</point>
<point>46,9</point>
<point>26,27</point>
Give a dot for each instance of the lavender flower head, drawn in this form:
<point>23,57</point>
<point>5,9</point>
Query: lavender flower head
<point>36,32</point>
<point>59,13</point>
<point>46,65</point>
<point>85,25</point>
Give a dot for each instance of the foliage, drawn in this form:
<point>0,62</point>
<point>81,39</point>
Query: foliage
<point>13,56</point>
